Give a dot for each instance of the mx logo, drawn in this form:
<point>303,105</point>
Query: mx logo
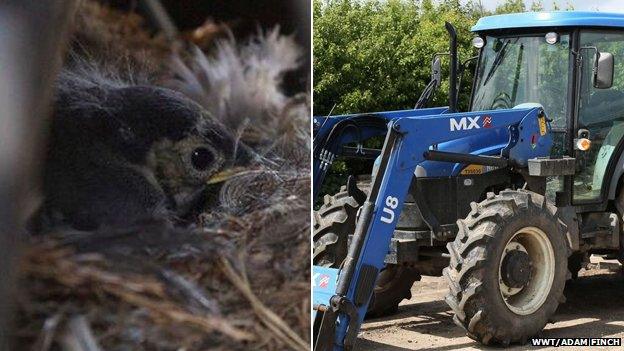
<point>487,122</point>
<point>466,123</point>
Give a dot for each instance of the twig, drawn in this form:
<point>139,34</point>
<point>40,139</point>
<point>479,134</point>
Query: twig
<point>207,324</point>
<point>190,291</point>
<point>78,336</point>
<point>268,318</point>
<point>50,326</point>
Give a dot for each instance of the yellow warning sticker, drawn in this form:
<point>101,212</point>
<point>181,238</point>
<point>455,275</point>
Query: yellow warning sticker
<point>472,169</point>
<point>542,125</point>
<point>477,169</point>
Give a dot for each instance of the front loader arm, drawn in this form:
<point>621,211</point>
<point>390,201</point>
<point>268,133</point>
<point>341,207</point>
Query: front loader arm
<point>335,132</point>
<point>407,141</point>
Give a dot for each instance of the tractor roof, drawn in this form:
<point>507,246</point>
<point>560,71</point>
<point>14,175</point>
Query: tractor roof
<point>550,19</point>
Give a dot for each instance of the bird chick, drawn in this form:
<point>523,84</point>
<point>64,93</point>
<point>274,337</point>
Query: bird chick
<point>120,153</point>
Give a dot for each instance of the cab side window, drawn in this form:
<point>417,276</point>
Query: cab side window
<point>601,113</point>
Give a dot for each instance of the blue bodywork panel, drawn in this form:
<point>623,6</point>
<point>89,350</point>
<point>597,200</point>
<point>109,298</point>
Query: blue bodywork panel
<point>488,143</point>
<point>323,285</point>
<point>327,123</point>
<point>550,19</point>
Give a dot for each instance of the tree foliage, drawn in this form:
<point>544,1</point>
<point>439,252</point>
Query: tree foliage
<point>374,55</point>
<point>511,6</point>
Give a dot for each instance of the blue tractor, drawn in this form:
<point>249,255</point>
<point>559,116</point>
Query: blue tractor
<point>506,200</point>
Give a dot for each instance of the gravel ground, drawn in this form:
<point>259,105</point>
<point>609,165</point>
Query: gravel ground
<point>594,308</point>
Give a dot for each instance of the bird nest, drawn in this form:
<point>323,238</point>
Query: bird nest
<point>237,277</point>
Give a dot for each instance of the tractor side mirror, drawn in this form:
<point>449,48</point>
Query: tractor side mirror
<point>603,70</point>
<point>436,71</point>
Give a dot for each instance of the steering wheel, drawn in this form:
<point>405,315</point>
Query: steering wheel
<point>501,101</point>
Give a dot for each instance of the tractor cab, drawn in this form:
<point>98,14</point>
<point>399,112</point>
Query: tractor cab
<point>564,61</point>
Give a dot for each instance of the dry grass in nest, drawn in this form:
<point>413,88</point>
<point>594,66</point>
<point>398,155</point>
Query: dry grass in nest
<point>143,290</point>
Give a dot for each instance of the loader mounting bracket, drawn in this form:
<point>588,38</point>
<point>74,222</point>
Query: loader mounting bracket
<point>327,331</point>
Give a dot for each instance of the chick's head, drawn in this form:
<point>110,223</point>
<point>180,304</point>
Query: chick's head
<point>178,142</point>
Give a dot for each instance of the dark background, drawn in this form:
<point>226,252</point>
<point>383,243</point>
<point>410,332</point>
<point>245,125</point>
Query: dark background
<point>244,17</point>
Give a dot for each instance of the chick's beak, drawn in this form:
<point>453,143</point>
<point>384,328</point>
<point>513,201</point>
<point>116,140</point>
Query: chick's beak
<point>226,174</point>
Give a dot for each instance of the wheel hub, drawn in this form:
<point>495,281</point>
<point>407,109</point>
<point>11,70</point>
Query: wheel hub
<point>526,270</point>
<point>516,269</point>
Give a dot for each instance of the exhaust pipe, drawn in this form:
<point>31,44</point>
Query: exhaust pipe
<point>452,97</point>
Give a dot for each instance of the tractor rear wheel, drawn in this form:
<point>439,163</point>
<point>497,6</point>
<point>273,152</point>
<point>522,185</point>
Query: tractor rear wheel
<point>508,267</point>
<point>333,223</point>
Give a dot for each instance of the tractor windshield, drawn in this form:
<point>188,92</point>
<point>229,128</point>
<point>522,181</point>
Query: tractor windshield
<point>518,69</point>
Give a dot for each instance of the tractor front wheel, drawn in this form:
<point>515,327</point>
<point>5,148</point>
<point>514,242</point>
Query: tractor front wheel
<point>508,267</point>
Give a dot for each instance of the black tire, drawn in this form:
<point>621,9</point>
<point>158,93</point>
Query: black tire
<point>333,223</point>
<point>394,284</point>
<point>575,264</point>
<point>473,273</point>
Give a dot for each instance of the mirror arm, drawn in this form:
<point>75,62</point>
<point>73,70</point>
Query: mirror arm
<point>465,64</point>
<point>462,69</point>
<point>595,49</point>
<point>435,56</point>
<point>433,84</point>
<point>426,94</point>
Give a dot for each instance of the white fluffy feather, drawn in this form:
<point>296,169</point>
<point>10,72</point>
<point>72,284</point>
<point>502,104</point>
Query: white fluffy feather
<point>240,83</point>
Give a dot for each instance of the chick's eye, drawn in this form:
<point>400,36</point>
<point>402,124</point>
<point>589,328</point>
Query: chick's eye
<point>201,158</point>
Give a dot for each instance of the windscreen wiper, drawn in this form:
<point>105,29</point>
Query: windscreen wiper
<point>497,61</point>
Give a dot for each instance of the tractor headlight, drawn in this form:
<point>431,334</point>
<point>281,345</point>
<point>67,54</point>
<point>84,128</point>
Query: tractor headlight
<point>478,42</point>
<point>551,38</point>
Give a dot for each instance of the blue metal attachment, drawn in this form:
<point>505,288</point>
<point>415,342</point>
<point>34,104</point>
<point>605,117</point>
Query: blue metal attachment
<point>490,142</point>
<point>323,285</point>
<point>332,141</point>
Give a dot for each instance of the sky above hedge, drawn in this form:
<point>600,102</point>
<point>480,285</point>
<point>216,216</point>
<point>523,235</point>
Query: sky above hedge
<point>581,5</point>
